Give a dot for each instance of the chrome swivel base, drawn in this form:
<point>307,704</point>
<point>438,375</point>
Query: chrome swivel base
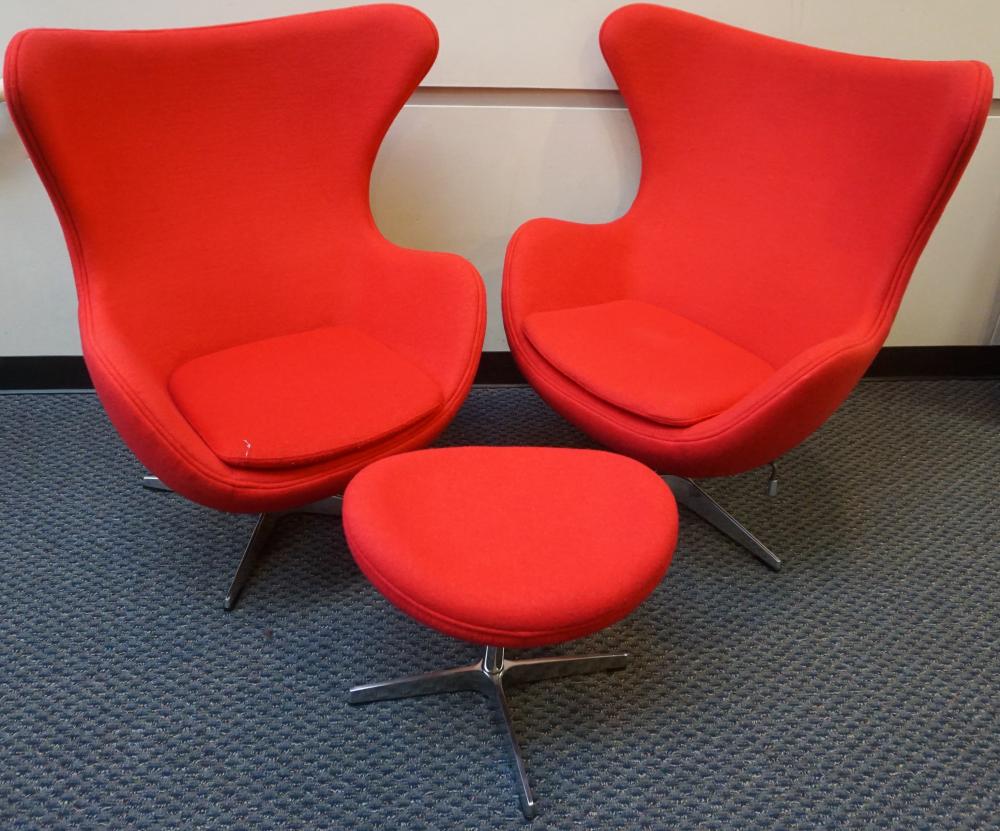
<point>489,676</point>
<point>688,494</point>
<point>258,537</point>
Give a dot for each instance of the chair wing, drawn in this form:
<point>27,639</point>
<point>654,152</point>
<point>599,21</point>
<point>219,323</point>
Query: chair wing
<point>214,167</point>
<point>786,191</point>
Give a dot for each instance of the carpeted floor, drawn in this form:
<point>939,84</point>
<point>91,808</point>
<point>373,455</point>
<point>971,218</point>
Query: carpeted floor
<point>860,687</point>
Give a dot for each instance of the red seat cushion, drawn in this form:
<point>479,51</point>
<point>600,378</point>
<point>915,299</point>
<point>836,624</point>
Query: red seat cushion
<point>302,398</point>
<point>646,360</point>
<point>511,546</point>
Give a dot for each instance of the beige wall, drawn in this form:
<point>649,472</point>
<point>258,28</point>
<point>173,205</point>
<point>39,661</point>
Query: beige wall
<point>518,118</point>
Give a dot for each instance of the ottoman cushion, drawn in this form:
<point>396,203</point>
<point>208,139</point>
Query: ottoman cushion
<point>511,546</point>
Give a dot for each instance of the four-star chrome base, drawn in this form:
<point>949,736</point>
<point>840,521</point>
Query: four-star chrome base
<point>489,676</point>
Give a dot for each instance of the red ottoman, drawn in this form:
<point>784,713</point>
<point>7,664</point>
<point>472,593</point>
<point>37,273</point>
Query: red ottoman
<point>509,547</point>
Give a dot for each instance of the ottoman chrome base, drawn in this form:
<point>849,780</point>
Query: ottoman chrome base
<point>489,676</point>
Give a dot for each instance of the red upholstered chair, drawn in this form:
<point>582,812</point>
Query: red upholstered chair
<point>253,337</point>
<point>785,197</point>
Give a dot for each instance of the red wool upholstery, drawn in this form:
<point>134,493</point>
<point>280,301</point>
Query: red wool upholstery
<point>785,197</point>
<point>511,546</point>
<point>212,184</point>
<point>640,357</point>
<point>301,398</point>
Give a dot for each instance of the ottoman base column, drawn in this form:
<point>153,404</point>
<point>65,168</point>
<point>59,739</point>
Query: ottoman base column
<point>488,676</point>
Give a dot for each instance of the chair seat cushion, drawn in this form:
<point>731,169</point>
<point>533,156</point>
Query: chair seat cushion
<point>511,546</point>
<point>646,360</point>
<point>302,398</point>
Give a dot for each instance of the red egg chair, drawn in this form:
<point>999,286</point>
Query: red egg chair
<point>251,334</point>
<point>786,194</point>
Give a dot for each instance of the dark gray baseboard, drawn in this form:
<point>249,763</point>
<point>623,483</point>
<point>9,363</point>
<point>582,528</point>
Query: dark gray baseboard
<point>67,372</point>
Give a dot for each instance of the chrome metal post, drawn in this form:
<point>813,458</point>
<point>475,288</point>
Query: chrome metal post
<point>488,676</point>
<point>695,499</point>
<point>493,660</point>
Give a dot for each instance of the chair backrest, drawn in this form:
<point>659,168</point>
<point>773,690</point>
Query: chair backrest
<point>223,168</point>
<point>787,191</point>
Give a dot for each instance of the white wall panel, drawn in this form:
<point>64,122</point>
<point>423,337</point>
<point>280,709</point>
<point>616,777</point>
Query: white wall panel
<point>954,294</point>
<point>553,43</point>
<point>463,178</point>
<point>37,297</point>
<point>506,130</point>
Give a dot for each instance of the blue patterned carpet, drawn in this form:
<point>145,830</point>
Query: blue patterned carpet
<point>857,688</point>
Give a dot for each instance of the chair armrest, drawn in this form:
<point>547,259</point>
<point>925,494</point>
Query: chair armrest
<point>132,387</point>
<point>429,306</point>
<point>553,264</point>
<point>817,380</point>
<point>783,411</point>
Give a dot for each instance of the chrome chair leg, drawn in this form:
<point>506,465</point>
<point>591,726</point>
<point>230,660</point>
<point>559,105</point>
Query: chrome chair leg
<point>331,506</point>
<point>488,677</point>
<point>543,669</point>
<point>695,499</point>
<point>258,540</point>
<point>459,679</point>
<point>501,706</point>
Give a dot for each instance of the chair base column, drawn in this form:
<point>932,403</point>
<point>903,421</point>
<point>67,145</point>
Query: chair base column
<point>488,676</point>
<point>331,506</point>
<point>688,494</point>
